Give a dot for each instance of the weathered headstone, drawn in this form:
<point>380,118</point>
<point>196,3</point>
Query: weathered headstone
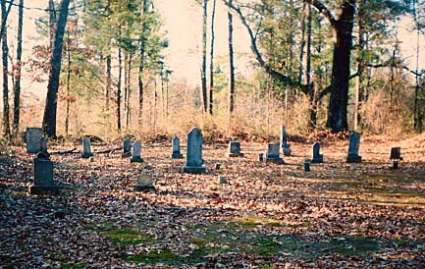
<point>272,154</point>
<point>194,161</point>
<point>284,145</point>
<point>353,148</point>
<point>395,154</point>
<point>234,149</point>
<point>87,153</point>
<point>127,145</point>
<point>317,157</point>
<point>43,177</point>
<point>144,184</point>
<point>33,139</point>
<point>175,145</point>
<point>43,153</point>
<point>307,166</point>
<point>136,153</point>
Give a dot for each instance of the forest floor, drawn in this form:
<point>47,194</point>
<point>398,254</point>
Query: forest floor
<point>266,216</point>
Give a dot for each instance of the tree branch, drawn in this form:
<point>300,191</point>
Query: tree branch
<point>286,80</point>
<point>324,10</point>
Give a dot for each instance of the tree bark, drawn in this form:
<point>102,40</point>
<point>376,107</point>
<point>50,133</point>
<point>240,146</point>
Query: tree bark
<point>50,112</point>
<point>128,87</point>
<point>204,57</point>
<point>17,72</point>
<point>68,82</point>
<point>5,55</point>
<point>337,110</point>
<point>143,38</point>
<point>4,17</point>
<point>118,97</point>
<point>211,106</point>
<point>231,63</point>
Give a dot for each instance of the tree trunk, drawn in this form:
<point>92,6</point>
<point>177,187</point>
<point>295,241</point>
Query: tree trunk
<point>118,106</point>
<point>4,16</point>
<point>52,24</point>
<point>17,72</point>
<point>68,81</point>
<point>212,58</point>
<point>128,86</point>
<point>204,57</point>
<point>361,64</point>
<point>49,119</point>
<point>311,90</point>
<point>337,110</point>
<point>231,64</point>
<point>142,62</point>
<point>302,46</point>
<point>5,55</point>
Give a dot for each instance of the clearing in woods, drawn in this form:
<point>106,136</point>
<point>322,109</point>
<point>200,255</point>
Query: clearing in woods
<point>266,216</point>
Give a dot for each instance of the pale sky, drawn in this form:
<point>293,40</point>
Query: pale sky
<point>182,21</point>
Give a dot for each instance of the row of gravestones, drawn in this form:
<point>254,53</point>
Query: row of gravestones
<point>43,167</point>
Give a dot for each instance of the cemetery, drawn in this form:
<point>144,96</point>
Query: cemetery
<point>212,134</point>
<point>111,210</point>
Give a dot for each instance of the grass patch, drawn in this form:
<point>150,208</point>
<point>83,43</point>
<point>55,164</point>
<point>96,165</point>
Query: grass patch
<point>254,221</point>
<point>354,246</point>
<point>127,236</point>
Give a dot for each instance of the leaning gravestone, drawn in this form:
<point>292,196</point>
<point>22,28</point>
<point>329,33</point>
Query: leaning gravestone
<point>175,144</point>
<point>234,149</point>
<point>136,153</point>
<point>87,153</point>
<point>43,177</point>
<point>127,144</point>
<point>353,148</point>
<point>194,162</point>
<point>317,157</point>
<point>272,154</point>
<point>33,139</point>
<point>286,148</point>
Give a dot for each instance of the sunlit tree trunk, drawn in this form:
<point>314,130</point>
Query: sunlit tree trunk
<point>231,63</point>
<point>212,58</point>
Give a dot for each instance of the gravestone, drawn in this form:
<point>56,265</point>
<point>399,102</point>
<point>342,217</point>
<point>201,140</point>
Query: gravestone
<point>307,166</point>
<point>272,154</point>
<point>43,153</point>
<point>395,154</point>
<point>284,145</point>
<point>33,139</point>
<point>317,157</point>
<point>353,148</point>
<point>194,161</point>
<point>127,145</point>
<point>43,177</point>
<point>234,149</point>
<point>144,184</point>
<point>87,153</point>
<point>175,146</point>
<point>136,153</point>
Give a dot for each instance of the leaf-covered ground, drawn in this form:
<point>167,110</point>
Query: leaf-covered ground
<point>266,216</point>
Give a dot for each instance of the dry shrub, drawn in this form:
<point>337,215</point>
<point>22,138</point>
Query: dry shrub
<point>380,115</point>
